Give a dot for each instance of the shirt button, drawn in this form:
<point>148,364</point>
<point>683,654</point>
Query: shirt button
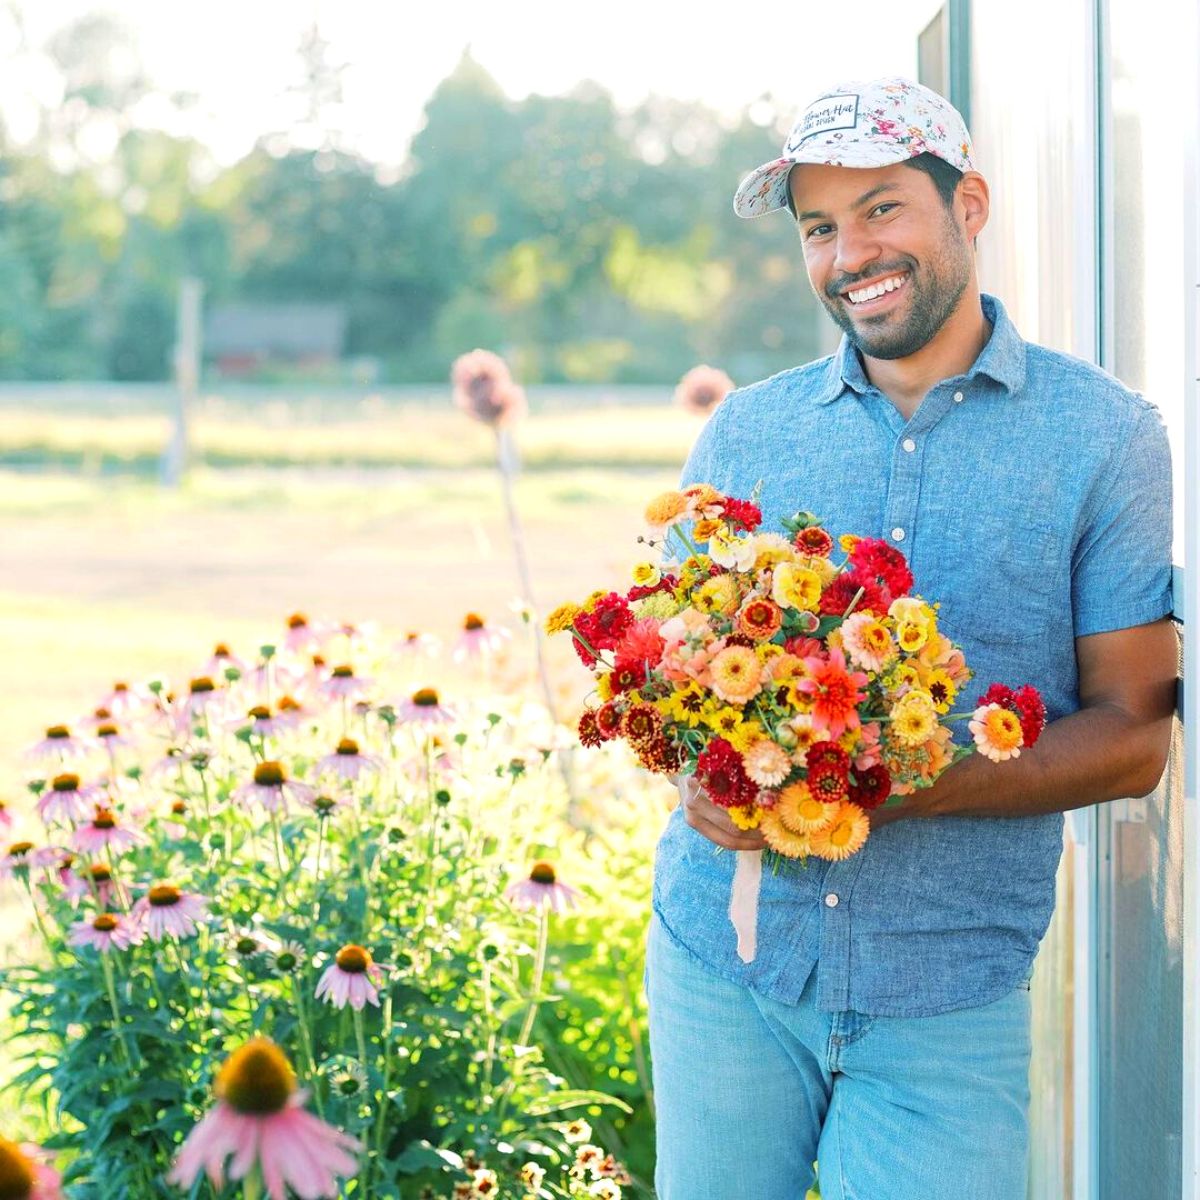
<point>958,397</point>
<point>909,445</point>
<point>831,901</point>
<point>897,534</point>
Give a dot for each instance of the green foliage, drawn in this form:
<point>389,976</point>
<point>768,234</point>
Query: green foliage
<point>494,1025</point>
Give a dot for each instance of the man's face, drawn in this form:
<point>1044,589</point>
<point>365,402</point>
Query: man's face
<point>867,229</point>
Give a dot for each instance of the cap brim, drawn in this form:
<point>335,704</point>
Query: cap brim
<point>763,190</point>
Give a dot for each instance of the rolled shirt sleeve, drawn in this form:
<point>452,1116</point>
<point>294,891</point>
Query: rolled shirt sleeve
<point>1121,571</point>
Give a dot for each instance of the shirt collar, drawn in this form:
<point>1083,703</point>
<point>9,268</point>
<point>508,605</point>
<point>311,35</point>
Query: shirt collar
<point>1002,358</point>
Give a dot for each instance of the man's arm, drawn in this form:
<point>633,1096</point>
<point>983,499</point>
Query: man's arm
<point>1115,746</point>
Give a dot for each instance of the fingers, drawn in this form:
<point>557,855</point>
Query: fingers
<point>712,821</point>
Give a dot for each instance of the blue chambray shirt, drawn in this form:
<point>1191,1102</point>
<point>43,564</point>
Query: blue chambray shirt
<point>1032,497</point>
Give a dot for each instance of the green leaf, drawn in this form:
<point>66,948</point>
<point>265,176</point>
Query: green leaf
<point>574,1098</point>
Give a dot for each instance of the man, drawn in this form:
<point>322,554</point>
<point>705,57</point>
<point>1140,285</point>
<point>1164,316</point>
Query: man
<point>883,1026</point>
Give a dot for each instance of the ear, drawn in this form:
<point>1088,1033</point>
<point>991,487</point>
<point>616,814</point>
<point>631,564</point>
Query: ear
<point>973,203</point>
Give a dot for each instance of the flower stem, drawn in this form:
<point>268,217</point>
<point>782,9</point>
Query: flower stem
<point>251,1189</point>
<point>687,543</point>
<point>539,969</point>
<point>306,1043</point>
<point>380,1120</point>
<point>116,1008</point>
<point>359,1037</point>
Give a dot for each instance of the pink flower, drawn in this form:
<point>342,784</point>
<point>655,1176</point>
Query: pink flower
<point>478,640</point>
<point>91,880</point>
<point>260,1122</point>
<point>25,1165</point>
<point>222,660</point>
<point>6,817</point>
<point>869,751</point>
<point>343,684</point>
<point>67,800</point>
<point>22,856</point>
<point>124,702</point>
<point>484,388</point>
<point>643,642</point>
<point>166,910</point>
<point>351,979</point>
<point>105,830</point>
<point>261,722</point>
<point>105,932</point>
<point>348,762</point>
<point>425,708</point>
<point>272,788</point>
<point>59,744</point>
<point>702,389</point>
<point>541,888</point>
<point>303,636</point>
<point>417,645</point>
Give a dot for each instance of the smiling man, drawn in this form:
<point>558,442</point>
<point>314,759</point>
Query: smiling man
<point>883,1026</point>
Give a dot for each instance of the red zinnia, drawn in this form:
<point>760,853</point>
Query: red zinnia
<point>835,599</point>
<point>813,540</point>
<point>627,674</point>
<point>641,723</point>
<point>828,754</point>
<point>827,782</point>
<point>720,772</point>
<point>608,721</point>
<point>589,731</point>
<point>607,623</point>
<point>743,513</point>
<point>871,787</point>
<point>658,754</point>
<point>873,560</point>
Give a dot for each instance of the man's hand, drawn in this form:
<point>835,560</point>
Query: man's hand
<point>712,820</point>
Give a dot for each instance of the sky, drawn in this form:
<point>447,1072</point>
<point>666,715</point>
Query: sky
<point>238,56</point>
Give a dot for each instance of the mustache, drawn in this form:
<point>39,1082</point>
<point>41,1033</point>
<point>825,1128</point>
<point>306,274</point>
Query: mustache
<point>834,290</point>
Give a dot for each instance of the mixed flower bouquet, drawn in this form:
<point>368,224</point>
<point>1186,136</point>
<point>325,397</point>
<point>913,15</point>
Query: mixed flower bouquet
<point>800,688</point>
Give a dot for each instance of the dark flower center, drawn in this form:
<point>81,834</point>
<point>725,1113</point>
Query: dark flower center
<point>426,697</point>
<point>543,872</point>
<point>164,896</point>
<point>202,684</point>
<point>473,621</point>
<point>104,819</point>
<point>221,651</point>
<point>347,747</point>
<point>324,804</point>
<point>19,849</point>
<point>101,714</point>
<point>256,1080</point>
<point>287,704</point>
<point>16,1172</point>
<point>99,873</point>
<point>106,731</point>
<point>179,808</point>
<point>246,946</point>
<point>58,732</point>
<point>297,621</point>
<point>260,712</point>
<point>105,923</point>
<point>65,783</point>
<point>354,960</point>
<point>268,774</point>
<point>343,672</point>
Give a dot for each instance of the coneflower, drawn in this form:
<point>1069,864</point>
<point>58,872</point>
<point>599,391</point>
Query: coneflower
<point>58,745</point>
<point>478,640</point>
<point>259,1121</point>
<point>352,978</point>
<point>104,932</point>
<point>66,799</point>
<point>272,788</point>
<point>165,910</point>
<point>540,889</point>
<point>343,684</point>
<point>348,762</point>
<point>105,830</point>
<point>424,707</point>
<point>25,1175</point>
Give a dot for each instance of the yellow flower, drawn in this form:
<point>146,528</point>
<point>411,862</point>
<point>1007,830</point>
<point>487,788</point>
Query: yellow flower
<point>821,565</point>
<point>660,606</point>
<point>845,835</point>
<point>686,704</point>
<point>705,529</point>
<point>745,816</point>
<point>904,674</point>
<point>847,542</point>
<point>736,674</point>
<point>604,686</point>
<point>911,636</point>
<point>746,735</point>
<point>717,595</point>
<point>646,574</point>
<point>941,689</point>
<point>768,650</point>
<point>796,587</point>
<point>666,509</point>
<point>772,548</point>
<point>782,839</point>
<point>725,721</point>
<point>914,718</point>
<point>801,811</point>
<point>562,618</point>
<point>590,603</point>
<point>997,732</point>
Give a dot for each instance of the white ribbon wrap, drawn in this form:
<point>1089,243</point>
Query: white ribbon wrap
<point>743,902</point>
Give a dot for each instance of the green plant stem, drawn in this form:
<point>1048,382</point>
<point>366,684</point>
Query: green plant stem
<point>359,1037</point>
<point>251,1188</point>
<point>110,984</point>
<point>306,1043</point>
<point>381,1116</point>
<point>539,969</point>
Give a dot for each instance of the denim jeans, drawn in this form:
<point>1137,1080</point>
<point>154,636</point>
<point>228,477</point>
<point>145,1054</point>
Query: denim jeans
<point>750,1091</point>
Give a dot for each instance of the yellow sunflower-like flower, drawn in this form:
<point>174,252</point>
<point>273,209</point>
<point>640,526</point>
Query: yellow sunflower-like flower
<point>801,811</point>
<point>941,689</point>
<point>562,618</point>
<point>782,839</point>
<point>604,686</point>
<point>736,674</point>
<point>914,718</point>
<point>717,595</point>
<point>745,816</point>
<point>724,722</point>
<point>646,574</point>
<point>847,542</point>
<point>703,530</point>
<point>794,586</point>
<point>746,735</point>
<point>686,705</point>
<point>845,835</point>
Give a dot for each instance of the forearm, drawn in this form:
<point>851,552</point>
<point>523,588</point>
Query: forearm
<point>1093,755</point>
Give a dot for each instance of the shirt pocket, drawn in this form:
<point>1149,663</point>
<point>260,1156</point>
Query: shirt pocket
<point>1001,579</point>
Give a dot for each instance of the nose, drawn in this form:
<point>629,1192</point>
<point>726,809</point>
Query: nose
<point>856,249</point>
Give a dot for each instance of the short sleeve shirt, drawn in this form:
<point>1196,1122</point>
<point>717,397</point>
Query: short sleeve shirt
<point>1032,498</point>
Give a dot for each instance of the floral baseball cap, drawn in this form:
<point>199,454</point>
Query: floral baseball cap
<point>863,124</point>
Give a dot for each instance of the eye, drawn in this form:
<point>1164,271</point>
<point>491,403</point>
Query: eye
<point>881,208</point>
<point>816,231</point>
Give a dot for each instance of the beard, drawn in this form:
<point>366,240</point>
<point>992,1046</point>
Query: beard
<point>934,293</point>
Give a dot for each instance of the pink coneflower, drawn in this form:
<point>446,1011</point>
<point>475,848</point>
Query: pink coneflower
<point>66,799</point>
<point>58,745</point>
<point>104,932</point>
<point>702,389</point>
<point>424,707</point>
<point>325,805</point>
<point>25,1175</point>
<point>21,856</point>
<point>478,640</point>
<point>259,1120</point>
<point>351,978</point>
<point>110,737</point>
<point>484,388</point>
<point>541,888</point>
<point>125,701</point>
<point>347,761</point>
<point>164,910</point>
<point>95,879</point>
<point>105,830</point>
<point>260,721</point>
<point>204,697</point>
<point>222,660</point>
<point>417,645</point>
<point>272,788</point>
<point>6,817</point>
<point>290,712</point>
<point>304,636</point>
<point>343,684</point>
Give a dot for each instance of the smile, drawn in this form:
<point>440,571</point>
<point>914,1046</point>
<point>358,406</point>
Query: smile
<point>873,291</point>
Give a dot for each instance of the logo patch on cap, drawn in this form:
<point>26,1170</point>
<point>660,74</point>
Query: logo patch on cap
<point>830,112</point>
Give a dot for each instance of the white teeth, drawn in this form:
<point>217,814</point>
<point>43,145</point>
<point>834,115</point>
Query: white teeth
<point>877,289</point>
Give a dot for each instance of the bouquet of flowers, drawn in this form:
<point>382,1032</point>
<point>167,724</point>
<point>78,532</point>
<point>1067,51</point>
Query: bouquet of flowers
<point>799,682</point>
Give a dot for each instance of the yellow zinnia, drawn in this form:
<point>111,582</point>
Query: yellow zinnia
<point>745,735</point>
<point>736,674</point>
<point>914,718</point>
<point>666,509</point>
<point>705,529</point>
<point>845,835</point>
<point>771,549</point>
<point>646,574</point>
<point>745,816</point>
<point>562,618</point>
<point>604,686</point>
<point>717,595</point>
